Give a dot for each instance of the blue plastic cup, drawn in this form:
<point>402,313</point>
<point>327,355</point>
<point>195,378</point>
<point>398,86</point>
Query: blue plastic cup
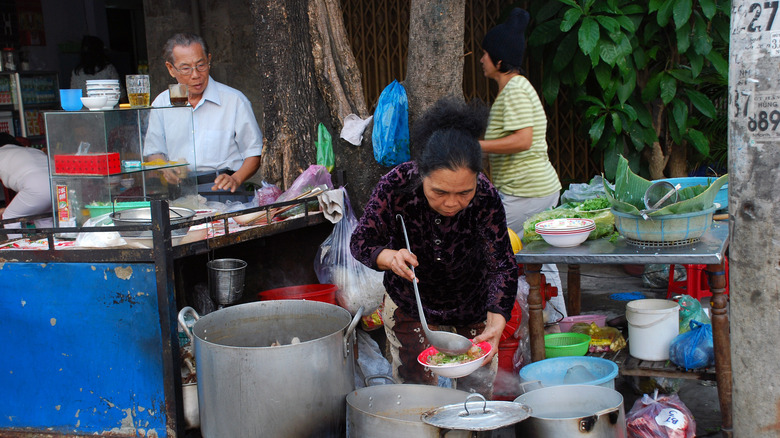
<point>70,99</point>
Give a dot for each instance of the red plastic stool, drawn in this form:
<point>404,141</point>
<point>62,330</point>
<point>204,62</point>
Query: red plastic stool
<point>696,283</point>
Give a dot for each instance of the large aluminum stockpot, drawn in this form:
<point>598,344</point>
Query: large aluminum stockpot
<point>574,411</point>
<point>248,388</point>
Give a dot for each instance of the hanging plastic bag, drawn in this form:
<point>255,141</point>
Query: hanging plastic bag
<point>660,417</point>
<point>324,148</point>
<point>693,349</point>
<point>358,284</point>
<point>391,126</point>
<point>691,310</point>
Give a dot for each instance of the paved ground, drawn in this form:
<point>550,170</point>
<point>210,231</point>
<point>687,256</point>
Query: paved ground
<point>598,282</point>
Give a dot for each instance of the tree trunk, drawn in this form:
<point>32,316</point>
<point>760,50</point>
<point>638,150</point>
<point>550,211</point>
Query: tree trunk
<point>435,59</point>
<point>678,161</point>
<point>292,103</point>
<point>309,76</point>
<point>655,155</point>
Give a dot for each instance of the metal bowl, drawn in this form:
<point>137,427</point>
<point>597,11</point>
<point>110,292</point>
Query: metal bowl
<point>143,216</point>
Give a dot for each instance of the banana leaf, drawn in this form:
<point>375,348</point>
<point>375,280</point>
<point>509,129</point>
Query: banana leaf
<point>628,194</point>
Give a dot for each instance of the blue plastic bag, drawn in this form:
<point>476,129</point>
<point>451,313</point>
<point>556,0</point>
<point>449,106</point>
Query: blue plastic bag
<point>391,126</point>
<point>693,349</point>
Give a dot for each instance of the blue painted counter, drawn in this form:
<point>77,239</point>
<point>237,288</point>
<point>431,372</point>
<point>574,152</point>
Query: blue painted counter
<point>81,349</point>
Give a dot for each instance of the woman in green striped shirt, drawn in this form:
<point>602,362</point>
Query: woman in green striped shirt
<point>515,139</point>
<point>516,136</point>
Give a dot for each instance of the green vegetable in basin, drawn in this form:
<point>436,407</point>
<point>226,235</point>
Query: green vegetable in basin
<point>628,194</point>
<point>594,204</point>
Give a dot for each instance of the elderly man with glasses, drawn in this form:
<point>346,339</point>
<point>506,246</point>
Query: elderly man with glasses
<point>228,141</point>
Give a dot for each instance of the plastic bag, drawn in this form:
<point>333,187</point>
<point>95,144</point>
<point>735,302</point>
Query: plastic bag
<point>358,284</point>
<point>312,177</point>
<point>602,339</point>
<point>660,417</point>
<point>693,349</point>
<point>657,275</point>
<point>391,126</point>
<point>324,148</point>
<point>522,355</point>
<point>267,194</point>
<point>691,310</point>
<point>581,192</point>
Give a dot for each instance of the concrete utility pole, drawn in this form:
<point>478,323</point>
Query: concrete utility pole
<point>754,206</point>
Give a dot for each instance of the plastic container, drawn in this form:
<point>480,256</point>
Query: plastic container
<point>97,210</point>
<point>325,293</point>
<point>566,323</point>
<point>552,372</point>
<point>665,228</point>
<point>566,344</point>
<point>513,324</point>
<point>652,325</point>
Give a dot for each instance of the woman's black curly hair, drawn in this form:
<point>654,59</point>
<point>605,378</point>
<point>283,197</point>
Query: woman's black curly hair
<point>449,135</point>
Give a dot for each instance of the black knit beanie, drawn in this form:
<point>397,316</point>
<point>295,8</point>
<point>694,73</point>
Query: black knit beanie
<point>506,41</point>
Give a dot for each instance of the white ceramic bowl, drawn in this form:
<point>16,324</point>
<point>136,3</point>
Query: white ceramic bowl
<point>564,224</point>
<point>94,103</point>
<point>455,370</point>
<point>566,240</point>
<point>112,97</point>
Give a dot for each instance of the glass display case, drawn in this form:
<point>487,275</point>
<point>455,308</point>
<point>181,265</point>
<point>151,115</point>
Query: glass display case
<point>106,161</point>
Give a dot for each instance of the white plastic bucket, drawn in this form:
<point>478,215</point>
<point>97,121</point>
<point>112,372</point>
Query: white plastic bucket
<point>652,325</point>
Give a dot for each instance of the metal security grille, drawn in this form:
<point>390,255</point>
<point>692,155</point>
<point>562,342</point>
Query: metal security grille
<point>379,33</point>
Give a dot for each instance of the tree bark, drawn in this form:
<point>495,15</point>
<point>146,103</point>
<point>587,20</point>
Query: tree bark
<point>292,103</point>
<point>435,58</point>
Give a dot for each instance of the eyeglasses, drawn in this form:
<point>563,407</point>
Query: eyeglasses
<point>187,70</point>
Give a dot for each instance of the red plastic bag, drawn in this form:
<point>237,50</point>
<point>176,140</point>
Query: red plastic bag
<point>660,417</point>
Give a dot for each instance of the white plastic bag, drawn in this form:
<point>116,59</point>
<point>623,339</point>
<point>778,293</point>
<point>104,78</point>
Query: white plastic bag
<point>358,284</point>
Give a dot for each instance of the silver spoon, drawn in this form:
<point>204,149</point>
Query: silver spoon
<point>446,342</point>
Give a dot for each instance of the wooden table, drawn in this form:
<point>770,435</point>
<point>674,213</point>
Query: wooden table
<point>709,250</point>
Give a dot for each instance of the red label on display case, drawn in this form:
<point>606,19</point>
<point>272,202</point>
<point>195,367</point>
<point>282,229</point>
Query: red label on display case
<point>88,164</point>
<point>63,206</point>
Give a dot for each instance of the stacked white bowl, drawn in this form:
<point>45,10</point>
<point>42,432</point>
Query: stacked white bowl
<point>105,87</point>
<point>565,232</point>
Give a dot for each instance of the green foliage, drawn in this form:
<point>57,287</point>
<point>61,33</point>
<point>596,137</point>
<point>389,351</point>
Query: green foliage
<point>642,69</point>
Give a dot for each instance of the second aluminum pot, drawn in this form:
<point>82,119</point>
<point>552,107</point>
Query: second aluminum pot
<point>392,411</point>
<point>248,388</point>
<point>574,411</point>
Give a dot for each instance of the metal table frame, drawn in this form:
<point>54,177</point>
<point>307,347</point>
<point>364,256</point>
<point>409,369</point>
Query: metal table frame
<point>709,250</point>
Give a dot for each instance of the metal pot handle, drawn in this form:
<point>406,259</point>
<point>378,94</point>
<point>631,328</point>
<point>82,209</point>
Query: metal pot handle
<point>471,396</point>
<point>183,325</point>
<point>351,328</point>
<point>587,423</point>
<point>379,376</point>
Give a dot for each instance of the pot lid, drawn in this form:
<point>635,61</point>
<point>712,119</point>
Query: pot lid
<point>477,415</point>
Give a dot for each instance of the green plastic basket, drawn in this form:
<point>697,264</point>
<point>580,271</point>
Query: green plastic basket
<point>566,344</point>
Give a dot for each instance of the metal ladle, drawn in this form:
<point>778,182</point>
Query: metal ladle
<point>445,342</point>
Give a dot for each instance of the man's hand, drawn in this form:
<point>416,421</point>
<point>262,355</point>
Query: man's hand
<point>225,182</point>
